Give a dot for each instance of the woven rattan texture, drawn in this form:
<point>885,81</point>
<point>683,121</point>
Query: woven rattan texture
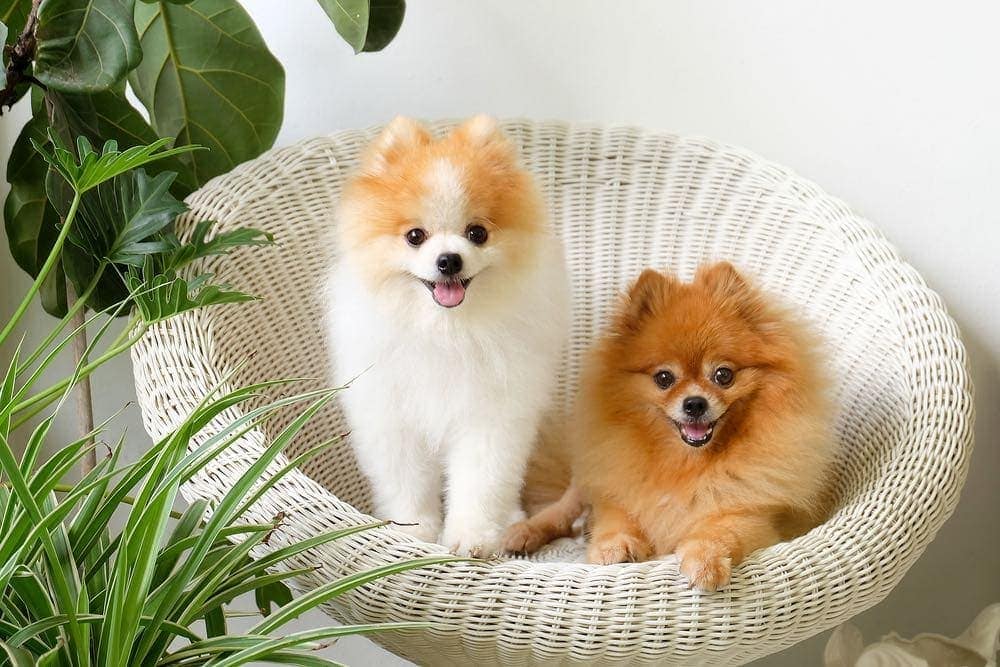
<point>623,199</point>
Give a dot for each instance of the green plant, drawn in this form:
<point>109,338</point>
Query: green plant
<point>203,73</point>
<point>201,70</point>
<point>158,590</point>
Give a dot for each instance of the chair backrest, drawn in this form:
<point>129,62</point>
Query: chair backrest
<point>623,200</point>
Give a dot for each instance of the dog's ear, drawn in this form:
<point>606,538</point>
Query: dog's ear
<point>730,286</point>
<point>645,297</point>
<point>483,134</point>
<point>723,279</point>
<point>396,140</point>
<point>480,130</point>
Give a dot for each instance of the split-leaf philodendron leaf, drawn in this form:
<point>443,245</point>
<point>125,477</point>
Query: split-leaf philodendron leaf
<point>108,115</point>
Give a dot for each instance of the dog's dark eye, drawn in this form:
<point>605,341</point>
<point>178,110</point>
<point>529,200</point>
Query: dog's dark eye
<point>723,376</point>
<point>416,236</point>
<point>477,234</point>
<point>663,379</point>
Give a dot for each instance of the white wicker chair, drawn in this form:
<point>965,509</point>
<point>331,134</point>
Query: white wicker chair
<point>623,199</point>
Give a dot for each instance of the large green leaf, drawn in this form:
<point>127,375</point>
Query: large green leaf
<point>367,25</point>
<point>207,77</point>
<point>384,20</point>
<point>14,14</point>
<point>85,45</point>
<point>30,221</point>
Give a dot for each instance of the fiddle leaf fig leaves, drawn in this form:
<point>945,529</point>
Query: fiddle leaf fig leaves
<point>14,14</point>
<point>204,75</point>
<point>384,20</point>
<point>207,77</point>
<point>32,224</point>
<point>85,45</point>
<point>367,25</point>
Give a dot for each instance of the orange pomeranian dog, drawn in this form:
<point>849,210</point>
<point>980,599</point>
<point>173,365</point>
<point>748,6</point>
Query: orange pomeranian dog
<point>701,430</point>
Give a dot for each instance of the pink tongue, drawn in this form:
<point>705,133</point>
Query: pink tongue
<point>695,431</point>
<point>449,294</point>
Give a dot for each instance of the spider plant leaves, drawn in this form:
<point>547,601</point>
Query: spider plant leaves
<point>207,77</point>
<point>31,222</point>
<point>85,46</point>
<point>327,592</point>
<point>367,25</point>
<point>17,657</point>
<point>73,593</point>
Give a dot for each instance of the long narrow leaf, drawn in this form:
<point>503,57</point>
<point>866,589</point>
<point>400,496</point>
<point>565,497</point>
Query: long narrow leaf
<point>223,513</point>
<point>264,648</point>
<point>327,592</point>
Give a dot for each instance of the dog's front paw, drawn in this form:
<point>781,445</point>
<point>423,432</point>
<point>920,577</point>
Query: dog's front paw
<point>474,541</point>
<point>524,537</point>
<point>617,548</point>
<point>707,566</point>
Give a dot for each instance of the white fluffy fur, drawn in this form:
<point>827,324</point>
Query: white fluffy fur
<point>447,402</point>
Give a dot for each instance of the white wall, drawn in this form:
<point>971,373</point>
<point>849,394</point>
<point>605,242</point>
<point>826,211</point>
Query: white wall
<point>893,106</point>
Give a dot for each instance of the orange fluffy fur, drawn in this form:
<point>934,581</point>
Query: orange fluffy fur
<point>760,478</point>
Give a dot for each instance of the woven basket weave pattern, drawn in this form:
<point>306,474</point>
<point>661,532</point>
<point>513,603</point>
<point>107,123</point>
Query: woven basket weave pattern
<point>623,199</point>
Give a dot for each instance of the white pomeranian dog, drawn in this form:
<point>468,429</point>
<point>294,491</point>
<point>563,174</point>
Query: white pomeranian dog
<point>448,309</point>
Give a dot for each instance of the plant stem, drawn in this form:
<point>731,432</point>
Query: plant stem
<point>50,262</point>
<point>84,398</point>
<point>20,55</point>
<point>80,302</point>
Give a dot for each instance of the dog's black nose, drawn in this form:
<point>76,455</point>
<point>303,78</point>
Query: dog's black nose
<point>695,406</point>
<point>449,263</point>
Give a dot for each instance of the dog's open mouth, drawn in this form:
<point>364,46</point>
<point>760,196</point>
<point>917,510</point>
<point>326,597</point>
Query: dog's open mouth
<point>447,293</point>
<point>696,434</point>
